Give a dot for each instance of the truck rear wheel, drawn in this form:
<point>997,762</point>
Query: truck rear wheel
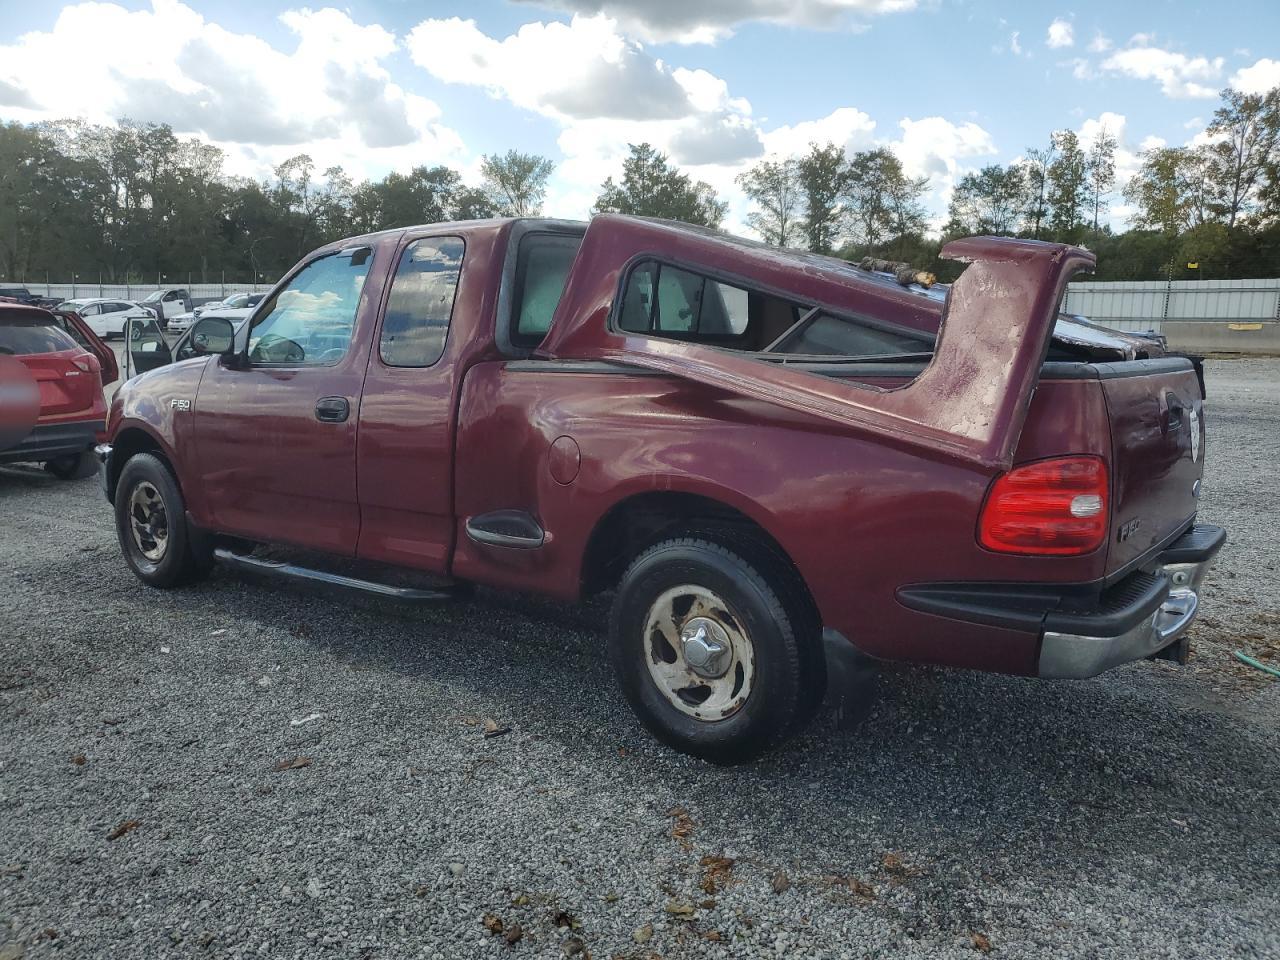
<point>707,651</point>
<point>152,526</point>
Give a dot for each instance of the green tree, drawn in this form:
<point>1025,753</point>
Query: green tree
<point>516,182</point>
<point>651,187</point>
<point>821,172</point>
<point>881,201</point>
<point>775,189</point>
<point>1172,190</point>
<point>1246,133</point>
<point>1068,185</point>
<point>989,201</point>
<point>1036,166</point>
<point>1100,172</point>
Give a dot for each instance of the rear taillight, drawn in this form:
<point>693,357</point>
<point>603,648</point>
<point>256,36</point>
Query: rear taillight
<point>88,363</point>
<point>1052,507</point>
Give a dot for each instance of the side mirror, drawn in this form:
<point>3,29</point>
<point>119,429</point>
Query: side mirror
<point>213,335</point>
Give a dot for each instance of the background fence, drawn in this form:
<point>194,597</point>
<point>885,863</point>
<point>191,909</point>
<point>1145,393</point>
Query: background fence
<point>139,291</point>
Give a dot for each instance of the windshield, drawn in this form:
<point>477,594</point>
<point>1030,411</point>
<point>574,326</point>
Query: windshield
<point>239,300</point>
<point>24,337</point>
<point>153,297</point>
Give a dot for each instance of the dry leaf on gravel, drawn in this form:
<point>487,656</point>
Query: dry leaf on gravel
<point>681,826</point>
<point>492,923</point>
<point>494,729</point>
<point>859,888</point>
<point>79,760</point>
<point>297,763</point>
<point>896,868</point>
<point>124,828</point>
<point>513,934</point>
<point>680,910</point>
<point>980,942</point>
<point>781,882</point>
<point>565,919</point>
<point>643,934</point>
<point>716,873</point>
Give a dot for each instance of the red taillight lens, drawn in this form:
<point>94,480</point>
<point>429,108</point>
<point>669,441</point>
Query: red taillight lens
<point>1053,507</point>
<point>88,363</point>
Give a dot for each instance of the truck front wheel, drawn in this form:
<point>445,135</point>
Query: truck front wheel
<point>707,651</point>
<point>151,523</point>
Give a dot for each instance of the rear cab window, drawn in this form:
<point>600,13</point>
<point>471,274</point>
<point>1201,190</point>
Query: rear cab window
<point>24,337</point>
<point>542,267</point>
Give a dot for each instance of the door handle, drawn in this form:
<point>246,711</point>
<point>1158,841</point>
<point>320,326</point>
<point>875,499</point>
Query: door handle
<point>333,409</point>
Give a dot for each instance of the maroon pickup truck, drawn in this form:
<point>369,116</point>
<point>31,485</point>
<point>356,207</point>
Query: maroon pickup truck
<point>784,466</point>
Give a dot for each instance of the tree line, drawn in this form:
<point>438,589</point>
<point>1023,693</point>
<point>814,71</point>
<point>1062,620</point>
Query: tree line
<point>1211,209</point>
<point>134,201</point>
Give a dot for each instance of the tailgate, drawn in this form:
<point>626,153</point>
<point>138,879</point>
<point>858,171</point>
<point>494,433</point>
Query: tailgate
<point>65,388</point>
<point>1157,452</point>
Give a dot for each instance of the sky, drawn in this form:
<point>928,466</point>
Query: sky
<point>377,85</point>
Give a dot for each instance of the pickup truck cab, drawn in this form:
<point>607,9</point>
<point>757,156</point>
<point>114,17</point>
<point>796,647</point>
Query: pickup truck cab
<point>168,302</point>
<point>783,466</point>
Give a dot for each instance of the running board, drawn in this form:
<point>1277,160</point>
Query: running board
<point>281,568</point>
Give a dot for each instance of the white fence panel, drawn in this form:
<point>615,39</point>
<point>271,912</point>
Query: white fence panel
<point>139,291</point>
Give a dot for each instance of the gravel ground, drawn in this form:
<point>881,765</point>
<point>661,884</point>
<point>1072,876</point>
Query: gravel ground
<point>145,813</point>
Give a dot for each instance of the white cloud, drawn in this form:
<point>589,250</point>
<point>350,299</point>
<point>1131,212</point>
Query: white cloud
<point>330,96</point>
<point>1179,75</point>
<point>1100,43</point>
<point>1259,78</point>
<point>706,21</point>
<point>1014,45</point>
<point>1061,34</point>
<point>847,127</point>
<point>582,70</point>
<point>934,146</point>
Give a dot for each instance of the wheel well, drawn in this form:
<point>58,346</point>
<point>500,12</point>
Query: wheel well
<point>129,444</point>
<point>635,524</point>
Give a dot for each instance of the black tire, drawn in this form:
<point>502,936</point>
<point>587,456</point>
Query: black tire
<point>762,604</point>
<point>185,557</point>
<point>79,466</point>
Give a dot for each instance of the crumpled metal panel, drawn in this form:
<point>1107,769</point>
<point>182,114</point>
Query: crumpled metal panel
<point>970,402</point>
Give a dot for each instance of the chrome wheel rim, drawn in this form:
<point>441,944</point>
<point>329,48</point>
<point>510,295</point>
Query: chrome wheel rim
<point>698,654</point>
<point>148,521</point>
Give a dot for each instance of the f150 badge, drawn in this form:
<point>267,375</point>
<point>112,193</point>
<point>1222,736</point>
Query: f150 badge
<point>180,404</point>
<point>1129,528</point>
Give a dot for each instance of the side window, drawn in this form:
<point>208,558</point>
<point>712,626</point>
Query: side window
<point>421,302</point>
<point>666,299</point>
<point>310,320</point>
<point>90,310</point>
<point>542,267</point>
<point>636,315</point>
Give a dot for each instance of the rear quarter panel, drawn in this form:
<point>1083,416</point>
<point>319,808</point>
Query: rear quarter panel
<point>859,516</point>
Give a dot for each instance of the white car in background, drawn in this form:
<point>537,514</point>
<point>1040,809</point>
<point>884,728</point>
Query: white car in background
<point>104,316</point>
<point>236,305</point>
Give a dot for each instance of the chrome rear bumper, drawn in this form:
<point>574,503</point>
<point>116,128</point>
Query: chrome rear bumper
<point>1077,656</point>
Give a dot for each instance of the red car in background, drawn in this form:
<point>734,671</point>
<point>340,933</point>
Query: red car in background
<point>70,366</point>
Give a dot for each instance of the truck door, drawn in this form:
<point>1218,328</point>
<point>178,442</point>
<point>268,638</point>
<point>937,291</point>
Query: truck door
<point>405,451</point>
<point>276,427</point>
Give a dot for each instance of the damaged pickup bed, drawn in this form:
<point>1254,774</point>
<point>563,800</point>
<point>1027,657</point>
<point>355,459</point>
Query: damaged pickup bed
<point>781,465</point>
